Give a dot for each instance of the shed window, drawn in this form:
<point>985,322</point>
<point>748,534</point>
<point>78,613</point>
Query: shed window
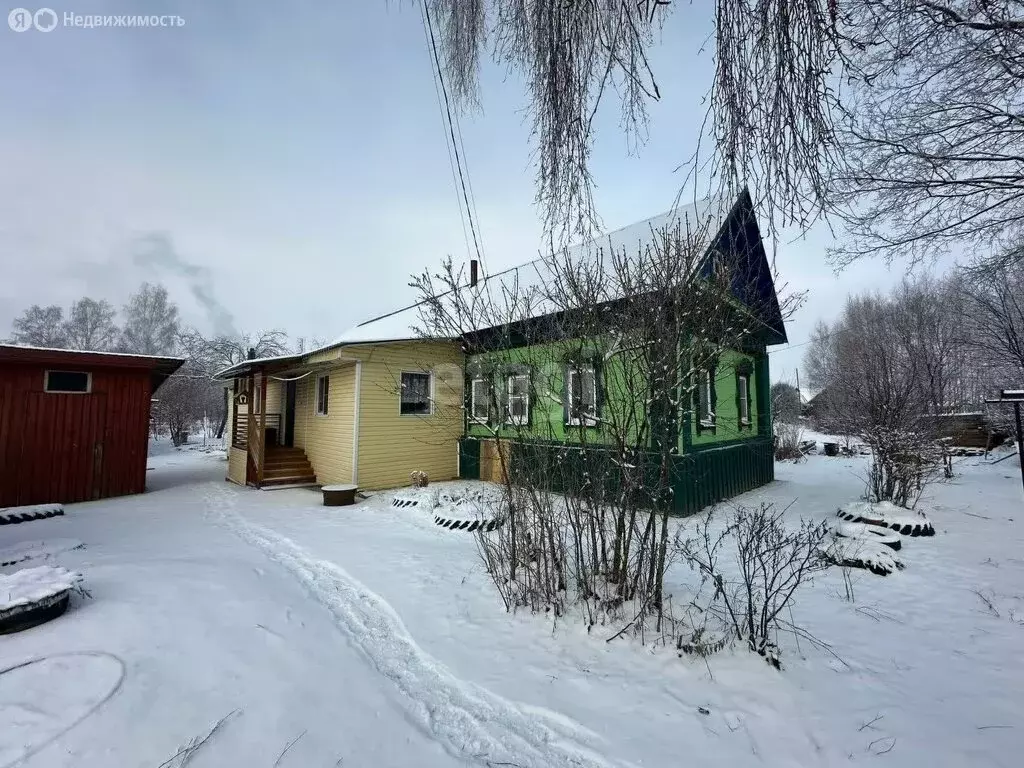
<point>480,397</point>
<point>582,390</point>
<point>415,398</point>
<point>323,389</point>
<point>743,384</point>
<point>68,381</point>
<point>518,388</point>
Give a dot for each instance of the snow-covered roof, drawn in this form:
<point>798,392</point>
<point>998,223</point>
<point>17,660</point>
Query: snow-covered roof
<point>160,367</point>
<point>708,214</point>
<point>64,350</point>
<point>243,364</point>
<point>394,326</point>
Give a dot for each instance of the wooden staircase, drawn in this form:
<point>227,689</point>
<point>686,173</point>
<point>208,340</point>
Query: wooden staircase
<point>287,466</point>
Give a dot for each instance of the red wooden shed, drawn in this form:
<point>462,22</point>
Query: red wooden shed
<point>74,426</point>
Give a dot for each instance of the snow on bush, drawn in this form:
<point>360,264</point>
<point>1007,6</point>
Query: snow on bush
<point>746,598</point>
<point>32,587</point>
<point>862,553</point>
<point>888,515</point>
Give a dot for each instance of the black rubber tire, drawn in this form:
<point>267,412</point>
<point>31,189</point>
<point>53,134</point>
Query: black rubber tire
<point>33,617</point>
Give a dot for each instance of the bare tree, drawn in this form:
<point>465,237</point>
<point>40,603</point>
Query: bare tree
<point>891,368</point>
<point>934,147</point>
<point>994,309</point>
<point>187,399</point>
<point>900,117</point>
<point>786,403</point>
<point>651,323</point>
<point>207,356</point>
<point>570,55</point>
<point>90,325</point>
<point>150,322</point>
<point>40,327</point>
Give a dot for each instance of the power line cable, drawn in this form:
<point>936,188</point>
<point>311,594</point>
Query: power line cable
<point>451,128</point>
<point>447,142</point>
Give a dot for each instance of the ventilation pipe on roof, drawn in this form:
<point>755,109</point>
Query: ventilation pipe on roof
<point>474,266</point>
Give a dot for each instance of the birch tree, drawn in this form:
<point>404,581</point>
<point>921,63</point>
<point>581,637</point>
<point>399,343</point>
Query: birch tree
<point>90,325</point>
<point>40,327</point>
<point>151,322</point>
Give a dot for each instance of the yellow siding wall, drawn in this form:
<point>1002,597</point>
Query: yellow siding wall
<point>236,465</point>
<point>327,440</point>
<point>391,445</point>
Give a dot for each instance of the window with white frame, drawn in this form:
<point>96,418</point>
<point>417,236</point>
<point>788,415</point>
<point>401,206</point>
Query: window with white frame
<point>323,394</point>
<point>743,385</point>
<point>518,406</point>
<point>68,382</point>
<point>706,413</point>
<point>480,401</point>
<point>582,391</point>
<point>415,396</point>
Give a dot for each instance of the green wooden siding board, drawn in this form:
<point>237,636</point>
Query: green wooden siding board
<point>698,480</point>
<point>547,416</point>
<point>727,415</point>
<point>469,458</point>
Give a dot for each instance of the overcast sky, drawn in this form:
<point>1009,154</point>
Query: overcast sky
<point>290,159</point>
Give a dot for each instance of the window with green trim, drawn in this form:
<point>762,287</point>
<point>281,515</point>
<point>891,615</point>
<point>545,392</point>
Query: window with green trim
<point>517,409</point>
<point>582,392</point>
<point>743,390</point>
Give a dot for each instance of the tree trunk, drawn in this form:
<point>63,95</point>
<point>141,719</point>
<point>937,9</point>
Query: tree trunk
<point>223,416</point>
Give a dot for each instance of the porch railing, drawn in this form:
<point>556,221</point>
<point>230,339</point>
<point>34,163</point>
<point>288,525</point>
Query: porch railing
<point>240,438</point>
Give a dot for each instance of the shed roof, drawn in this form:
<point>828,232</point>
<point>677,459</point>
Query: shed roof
<point>160,368</point>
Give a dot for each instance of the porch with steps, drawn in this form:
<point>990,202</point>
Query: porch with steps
<point>287,466</point>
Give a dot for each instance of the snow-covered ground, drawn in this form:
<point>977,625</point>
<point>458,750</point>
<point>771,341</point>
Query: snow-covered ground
<point>373,637</point>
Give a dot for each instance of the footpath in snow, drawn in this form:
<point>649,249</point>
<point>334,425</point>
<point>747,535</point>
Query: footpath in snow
<point>371,636</point>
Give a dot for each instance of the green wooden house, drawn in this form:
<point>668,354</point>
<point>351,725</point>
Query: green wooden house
<point>539,395</point>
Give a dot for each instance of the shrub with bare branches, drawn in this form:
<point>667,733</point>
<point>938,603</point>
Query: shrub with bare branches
<point>745,598</point>
<point>589,477</point>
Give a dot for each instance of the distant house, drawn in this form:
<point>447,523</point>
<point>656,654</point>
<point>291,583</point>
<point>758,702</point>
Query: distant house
<point>74,426</point>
